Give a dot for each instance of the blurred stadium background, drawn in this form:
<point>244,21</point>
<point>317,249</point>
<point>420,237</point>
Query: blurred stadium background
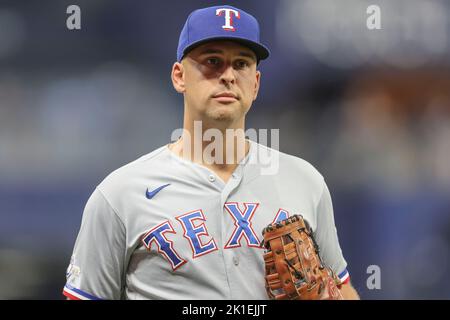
<point>369,108</point>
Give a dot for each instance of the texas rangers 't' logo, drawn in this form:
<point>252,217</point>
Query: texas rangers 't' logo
<point>228,18</point>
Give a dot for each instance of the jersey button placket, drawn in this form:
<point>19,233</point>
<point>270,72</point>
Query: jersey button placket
<point>211,178</point>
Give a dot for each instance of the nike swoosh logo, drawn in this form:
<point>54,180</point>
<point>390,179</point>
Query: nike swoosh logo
<point>151,194</point>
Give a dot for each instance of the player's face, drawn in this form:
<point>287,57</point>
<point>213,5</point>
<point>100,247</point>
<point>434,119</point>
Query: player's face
<point>219,81</point>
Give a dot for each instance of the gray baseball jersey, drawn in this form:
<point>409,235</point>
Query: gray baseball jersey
<point>162,227</point>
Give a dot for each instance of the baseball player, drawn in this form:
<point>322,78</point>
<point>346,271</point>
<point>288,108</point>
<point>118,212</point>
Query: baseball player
<point>171,225</point>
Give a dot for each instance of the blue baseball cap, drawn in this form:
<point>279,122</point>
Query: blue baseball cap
<point>221,23</point>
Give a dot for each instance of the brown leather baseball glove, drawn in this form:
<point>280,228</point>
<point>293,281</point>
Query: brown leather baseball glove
<point>294,270</point>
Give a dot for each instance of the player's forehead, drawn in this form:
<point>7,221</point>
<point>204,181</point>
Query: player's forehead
<point>223,47</point>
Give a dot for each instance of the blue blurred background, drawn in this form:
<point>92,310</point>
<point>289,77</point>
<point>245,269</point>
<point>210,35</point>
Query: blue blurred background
<point>369,108</point>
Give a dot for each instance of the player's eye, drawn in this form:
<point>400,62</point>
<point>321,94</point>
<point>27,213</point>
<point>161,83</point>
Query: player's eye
<point>213,61</point>
<point>241,64</point>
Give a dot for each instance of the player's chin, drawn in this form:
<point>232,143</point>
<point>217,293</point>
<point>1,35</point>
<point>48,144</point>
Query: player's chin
<point>225,114</point>
<point>226,110</point>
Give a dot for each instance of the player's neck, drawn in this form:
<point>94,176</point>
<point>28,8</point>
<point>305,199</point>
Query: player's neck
<point>219,150</point>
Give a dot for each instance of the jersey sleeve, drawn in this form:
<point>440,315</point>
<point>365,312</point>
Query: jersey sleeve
<point>97,264</point>
<point>327,238</point>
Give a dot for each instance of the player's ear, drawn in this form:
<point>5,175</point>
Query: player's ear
<point>178,77</point>
<point>258,78</point>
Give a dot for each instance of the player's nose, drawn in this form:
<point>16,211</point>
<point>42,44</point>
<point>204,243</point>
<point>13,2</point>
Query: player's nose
<point>228,75</point>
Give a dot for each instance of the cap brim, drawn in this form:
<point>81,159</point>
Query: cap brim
<point>260,50</point>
